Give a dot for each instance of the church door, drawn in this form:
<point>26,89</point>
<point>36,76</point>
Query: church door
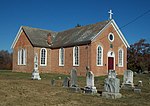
<point>110,63</point>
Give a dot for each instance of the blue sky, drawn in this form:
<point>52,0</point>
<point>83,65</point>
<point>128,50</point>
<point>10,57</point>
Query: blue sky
<point>59,15</point>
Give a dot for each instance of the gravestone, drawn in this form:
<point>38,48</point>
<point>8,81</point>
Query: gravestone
<point>73,80</point>
<point>35,73</point>
<point>66,82</point>
<point>53,82</point>
<point>90,88</point>
<point>111,74</point>
<point>128,80</point>
<point>111,86</point>
<point>140,83</point>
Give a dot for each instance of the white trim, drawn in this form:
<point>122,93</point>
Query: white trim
<point>60,50</point>
<point>109,37</point>
<point>101,31</point>
<point>112,22</point>
<point>101,56</point>
<point>122,58</point>
<point>120,34</point>
<point>74,56</point>
<point>17,37</point>
<point>18,56</point>
<point>45,57</point>
<point>22,58</point>
<point>111,54</point>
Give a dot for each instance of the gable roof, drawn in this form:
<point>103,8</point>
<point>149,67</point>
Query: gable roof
<point>36,36</point>
<point>72,37</point>
<point>78,36</point>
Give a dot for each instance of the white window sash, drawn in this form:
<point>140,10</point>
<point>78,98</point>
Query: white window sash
<point>99,61</point>
<point>43,57</point>
<point>61,56</point>
<point>22,57</point>
<point>19,57</point>
<point>120,58</point>
<point>76,56</point>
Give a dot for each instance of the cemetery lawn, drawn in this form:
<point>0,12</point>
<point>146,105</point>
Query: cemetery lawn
<point>17,89</point>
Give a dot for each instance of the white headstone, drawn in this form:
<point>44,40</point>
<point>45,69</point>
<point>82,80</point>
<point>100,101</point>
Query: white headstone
<point>128,77</point>
<point>36,62</point>
<point>90,79</point>
<point>35,73</point>
<point>90,88</point>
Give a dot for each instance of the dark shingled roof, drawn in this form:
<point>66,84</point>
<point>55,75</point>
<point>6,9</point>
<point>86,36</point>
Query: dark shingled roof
<point>72,37</point>
<point>79,35</point>
<point>38,37</point>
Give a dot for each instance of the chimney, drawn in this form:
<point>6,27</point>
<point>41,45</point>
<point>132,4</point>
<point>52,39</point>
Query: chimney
<point>49,41</point>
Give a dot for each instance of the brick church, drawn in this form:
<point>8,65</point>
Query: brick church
<point>101,46</point>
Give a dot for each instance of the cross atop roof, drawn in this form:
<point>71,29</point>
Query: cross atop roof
<point>110,14</point>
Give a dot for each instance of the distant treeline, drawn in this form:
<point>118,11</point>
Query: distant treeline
<point>139,56</point>
<point>5,60</point>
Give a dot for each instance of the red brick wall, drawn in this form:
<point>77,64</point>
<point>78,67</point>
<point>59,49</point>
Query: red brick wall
<point>68,65</point>
<point>47,68</point>
<point>24,43</point>
<point>105,43</point>
<point>87,56</point>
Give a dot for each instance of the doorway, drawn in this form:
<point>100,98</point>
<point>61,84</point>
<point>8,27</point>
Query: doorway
<point>110,63</point>
<point>111,60</point>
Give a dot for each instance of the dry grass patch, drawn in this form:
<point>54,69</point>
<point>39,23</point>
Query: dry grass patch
<point>17,89</point>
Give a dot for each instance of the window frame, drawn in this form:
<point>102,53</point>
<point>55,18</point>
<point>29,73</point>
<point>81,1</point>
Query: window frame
<point>97,55</point>
<point>22,56</point>
<point>41,57</point>
<point>120,61</point>
<point>78,56</point>
<point>61,56</point>
<point>109,37</point>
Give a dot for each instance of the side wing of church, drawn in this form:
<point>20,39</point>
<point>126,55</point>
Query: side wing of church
<point>100,46</point>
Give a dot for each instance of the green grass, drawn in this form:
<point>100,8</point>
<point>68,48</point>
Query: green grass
<point>17,89</point>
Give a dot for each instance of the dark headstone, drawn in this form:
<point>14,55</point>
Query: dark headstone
<point>66,82</point>
<point>53,82</point>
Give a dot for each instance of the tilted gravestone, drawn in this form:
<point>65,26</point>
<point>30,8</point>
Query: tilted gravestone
<point>128,80</point>
<point>111,86</point>
<point>35,73</point>
<point>90,88</point>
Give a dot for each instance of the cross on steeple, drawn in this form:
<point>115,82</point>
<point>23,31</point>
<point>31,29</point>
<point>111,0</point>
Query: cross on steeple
<point>110,14</point>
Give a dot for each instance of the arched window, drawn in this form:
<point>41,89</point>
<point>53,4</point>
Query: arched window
<point>21,56</point>
<point>43,57</point>
<point>120,58</point>
<point>99,59</point>
<point>61,57</point>
<point>76,56</point>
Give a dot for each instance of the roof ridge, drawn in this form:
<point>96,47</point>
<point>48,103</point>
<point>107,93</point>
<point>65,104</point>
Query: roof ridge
<point>84,26</point>
<point>39,29</point>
